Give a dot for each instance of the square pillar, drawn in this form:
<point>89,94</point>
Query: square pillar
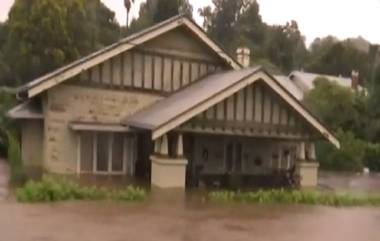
<point>308,173</point>
<point>168,172</point>
<point>307,165</point>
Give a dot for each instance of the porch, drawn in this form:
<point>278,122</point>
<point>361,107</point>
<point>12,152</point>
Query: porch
<point>190,159</point>
<point>195,160</point>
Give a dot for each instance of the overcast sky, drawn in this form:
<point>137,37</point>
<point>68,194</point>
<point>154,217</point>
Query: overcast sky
<point>316,18</point>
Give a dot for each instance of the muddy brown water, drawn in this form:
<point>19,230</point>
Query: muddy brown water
<point>4,180</point>
<point>169,217</point>
<point>167,221</point>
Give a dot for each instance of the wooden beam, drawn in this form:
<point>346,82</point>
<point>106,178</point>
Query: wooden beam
<point>243,125</point>
<point>230,132</point>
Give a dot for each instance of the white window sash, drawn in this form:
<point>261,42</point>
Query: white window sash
<point>127,147</point>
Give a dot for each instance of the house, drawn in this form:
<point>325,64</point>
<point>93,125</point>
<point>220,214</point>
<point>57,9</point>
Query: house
<point>169,105</point>
<point>299,82</point>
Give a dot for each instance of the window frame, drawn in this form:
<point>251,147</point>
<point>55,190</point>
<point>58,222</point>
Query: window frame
<point>110,140</point>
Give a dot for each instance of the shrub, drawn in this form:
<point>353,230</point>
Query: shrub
<point>348,158</point>
<point>131,194</point>
<point>372,157</point>
<point>15,160</point>
<point>7,100</point>
<point>282,196</point>
<point>52,189</point>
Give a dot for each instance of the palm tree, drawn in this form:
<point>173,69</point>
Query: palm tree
<point>128,6</point>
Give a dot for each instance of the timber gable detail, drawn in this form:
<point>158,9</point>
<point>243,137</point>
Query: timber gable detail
<point>156,72</point>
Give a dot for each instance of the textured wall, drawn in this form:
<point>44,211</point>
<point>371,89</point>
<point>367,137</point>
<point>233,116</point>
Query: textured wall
<point>66,103</point>
<point>31,143</point>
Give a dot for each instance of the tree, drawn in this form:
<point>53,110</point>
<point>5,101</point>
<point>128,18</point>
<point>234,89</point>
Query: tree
<point>322,45</point>
<point>128,6</point>
<point>350,157</point>
<point>252,30</point>
<point>338,58</point>
<point>347,113</point>
<point>327,99</point>
<point>285,46</point>
<point>155,11</point>
<point>44,35</point>
<point>222,20</point>
<point>4,68</point>
<point>280,46</point>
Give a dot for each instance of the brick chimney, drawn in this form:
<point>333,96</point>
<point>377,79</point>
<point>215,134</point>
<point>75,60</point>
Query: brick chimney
<point>243,55</point>
<point>355,80</point>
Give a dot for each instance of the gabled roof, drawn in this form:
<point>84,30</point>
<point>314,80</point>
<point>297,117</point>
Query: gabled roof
<point>309,78</point>
<point>290,86</point>
<point>179,102</point>
<point>60,75</point>
<point>187,103</point>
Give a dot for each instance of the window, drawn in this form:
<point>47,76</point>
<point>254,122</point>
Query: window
<point>258,161</point>
<point>87,152</point>
<point>103,152</point>
<point>117,152</point>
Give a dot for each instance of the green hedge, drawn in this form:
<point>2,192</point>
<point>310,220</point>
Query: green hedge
<point>53,189</point>
<point>294,197</point>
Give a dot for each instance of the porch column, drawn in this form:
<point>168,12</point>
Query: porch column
<point>307,166</point>
<point>302,151</point>
<point>168,171</point>
<point>164,147</point>
<point>180,145</point>
<point>313,156</point>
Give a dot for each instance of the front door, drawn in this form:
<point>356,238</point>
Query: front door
<point>233,156</point>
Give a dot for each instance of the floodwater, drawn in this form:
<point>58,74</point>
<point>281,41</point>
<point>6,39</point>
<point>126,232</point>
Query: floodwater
<point>348,182</point>
<point>4,180</point>
<point>169,217</point>
<point>167,221</point>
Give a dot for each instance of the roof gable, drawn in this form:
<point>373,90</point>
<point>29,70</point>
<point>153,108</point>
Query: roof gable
<point>60,75</point>
<point>182,42</point>
<point>182,106</point>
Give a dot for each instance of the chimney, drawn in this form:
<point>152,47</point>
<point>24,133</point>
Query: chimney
<point>355,80</point>
<point>243,55</point>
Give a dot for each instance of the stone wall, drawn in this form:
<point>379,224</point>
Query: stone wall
<point>65,103</point>
<point>32,143</point>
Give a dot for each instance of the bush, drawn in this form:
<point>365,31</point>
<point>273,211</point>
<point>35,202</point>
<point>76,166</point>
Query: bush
<point>15,160</point>
<point>352,157</point>
<point>282,196</point>
<point>348,158</point>
<point>372,157</point>
<point>130,194</point>
<point>7,100</point>
<point>53,189</point>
